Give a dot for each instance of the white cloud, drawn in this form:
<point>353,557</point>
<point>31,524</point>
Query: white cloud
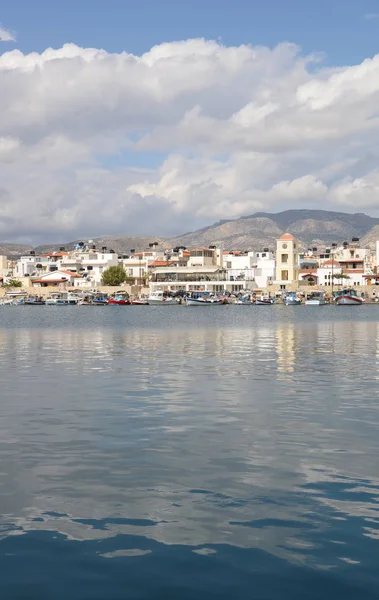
<point>93,142</point>
<point>5,35</point>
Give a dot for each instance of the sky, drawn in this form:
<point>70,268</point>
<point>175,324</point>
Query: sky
<point>163,116</point>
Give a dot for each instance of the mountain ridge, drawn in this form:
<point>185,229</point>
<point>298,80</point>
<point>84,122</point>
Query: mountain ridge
<point>313,228</point>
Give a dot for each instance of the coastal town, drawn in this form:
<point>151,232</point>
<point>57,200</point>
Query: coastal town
<point>214,272</point>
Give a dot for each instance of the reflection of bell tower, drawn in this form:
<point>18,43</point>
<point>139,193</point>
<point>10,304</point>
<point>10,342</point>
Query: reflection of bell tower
<point>286,348</point>
<point>287,259</point>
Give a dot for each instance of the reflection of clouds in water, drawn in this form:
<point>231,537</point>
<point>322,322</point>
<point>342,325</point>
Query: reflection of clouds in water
<point>214,435</point>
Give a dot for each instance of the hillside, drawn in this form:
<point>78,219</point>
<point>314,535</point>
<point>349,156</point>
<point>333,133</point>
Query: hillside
<point>312,227</point>
<point>121,244</point>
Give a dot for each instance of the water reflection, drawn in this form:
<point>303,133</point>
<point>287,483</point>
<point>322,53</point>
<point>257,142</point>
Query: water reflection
<point>263,437</point>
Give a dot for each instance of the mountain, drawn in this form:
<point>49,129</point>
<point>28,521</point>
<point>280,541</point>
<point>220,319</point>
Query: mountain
<point>312,228</point>
<point>121,244</point>
<point>14,250</point>
<point>317,228</point>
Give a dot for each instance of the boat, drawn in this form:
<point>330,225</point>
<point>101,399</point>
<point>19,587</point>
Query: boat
<point>119,299</point>
<point>347,297</point>
<point>93,299</point>
<point>63,299</point>
<point>140,302</point>
<point>13,298</point>
<point>246,300</point>
<point>34,301</point>
<point>205,298</point>
<point>316,298</point>
<point>161,298</point>
<point>291,299</point>
<point>264,300</point>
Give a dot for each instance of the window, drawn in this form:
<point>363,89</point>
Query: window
<point>284,246</point>
<point>284,258</point>
<point>228,264</point>
<point>263,254</point>
<point>284,276</point>
<point>130,272</point>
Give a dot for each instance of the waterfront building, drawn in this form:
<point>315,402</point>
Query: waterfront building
<point>89,263</point>
<point>60,279</point>
<point>287,261</point>
<point>252,266</point>
<point>211,278</point>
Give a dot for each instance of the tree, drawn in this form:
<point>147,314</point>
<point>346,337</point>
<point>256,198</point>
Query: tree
<point>340,276</point>
<point>114,275</point>
<point>13,283</point>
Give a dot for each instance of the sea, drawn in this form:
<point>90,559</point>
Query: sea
<point>189,453</point>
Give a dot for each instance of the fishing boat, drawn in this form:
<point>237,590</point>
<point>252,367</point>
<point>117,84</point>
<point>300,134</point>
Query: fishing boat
<point>120,298</point>
<point>246,300</point>
<point>13,298</point>
<point>63,299</point>
<point>161,298</point>
<point>34,301</point>
<point>93,299</point>
<point>291,299</point>
<point>264,300</point>
<point>347,297</point>
<point>316,298</point>
<point>140,302</point>
<point>205,299</point>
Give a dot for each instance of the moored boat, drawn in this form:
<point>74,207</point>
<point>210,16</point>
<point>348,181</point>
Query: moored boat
<point>292,299</point>
<point>316,298</point>
<point>205,299</point>
<point>264,300</point>
<point>161,298</point>
<point>34,301</point>
<point>62,299</point>
<point>347,297</point>
<point>119,299</point>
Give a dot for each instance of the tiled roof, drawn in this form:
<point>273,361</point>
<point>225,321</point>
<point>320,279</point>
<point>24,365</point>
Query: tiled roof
<point>69,273</point>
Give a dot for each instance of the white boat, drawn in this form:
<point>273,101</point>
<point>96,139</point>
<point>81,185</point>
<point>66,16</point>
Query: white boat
<point>13,298</point>
<point>161,299</point>
<point>316,299</point>
<point>264,300</point>
<point>244,300</point>
<point>291,299</point>
<point>347,297</point>
<point>63,299</point>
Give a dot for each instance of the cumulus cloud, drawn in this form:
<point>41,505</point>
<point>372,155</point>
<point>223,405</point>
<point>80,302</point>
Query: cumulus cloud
<point>5,35</point>
<point>93,142</point>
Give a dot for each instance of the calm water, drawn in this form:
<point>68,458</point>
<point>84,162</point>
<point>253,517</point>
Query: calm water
<point>189,453</point>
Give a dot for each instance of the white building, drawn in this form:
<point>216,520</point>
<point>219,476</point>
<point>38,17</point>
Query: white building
<point>60,279</point>
<point>204,257</point>
<point>210,278</point>
<point>89,264</point>
<point>264,268</point>
<point>251,266</point>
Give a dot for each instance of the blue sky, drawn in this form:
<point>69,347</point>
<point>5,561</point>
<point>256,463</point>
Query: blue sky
<point>337,27</point>
<point>222,116</point>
